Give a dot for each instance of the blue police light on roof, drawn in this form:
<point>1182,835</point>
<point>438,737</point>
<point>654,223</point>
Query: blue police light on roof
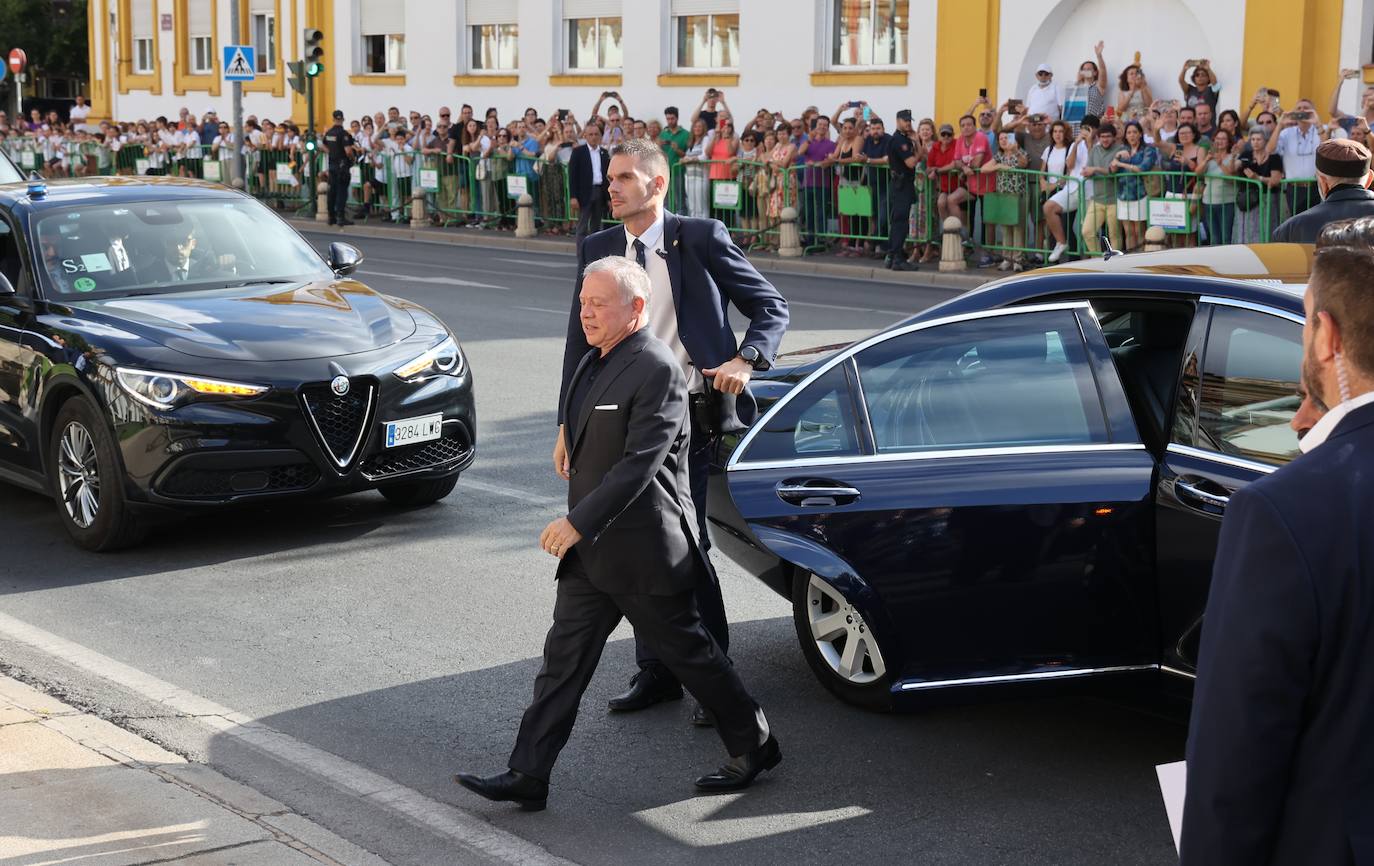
<point>37,187</point>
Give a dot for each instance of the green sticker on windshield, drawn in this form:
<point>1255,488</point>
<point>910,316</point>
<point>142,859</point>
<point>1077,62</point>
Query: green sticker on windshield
<point>84,284</point>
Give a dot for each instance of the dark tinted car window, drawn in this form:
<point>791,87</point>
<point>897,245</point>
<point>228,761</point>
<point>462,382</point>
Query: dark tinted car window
<point>1250,377</point>
<point>1007,381</point>
<point>817,422</point>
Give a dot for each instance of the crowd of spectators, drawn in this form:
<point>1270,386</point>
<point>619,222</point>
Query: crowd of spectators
<point>1029,178</point>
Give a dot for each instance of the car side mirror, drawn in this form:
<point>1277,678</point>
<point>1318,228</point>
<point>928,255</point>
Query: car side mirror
<point>344,258</point>
<point>6,287</point>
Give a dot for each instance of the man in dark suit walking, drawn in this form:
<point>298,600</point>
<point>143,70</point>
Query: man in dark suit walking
<point>1342,178</point>
<point>1281,746</point>
<point>587,171</point>
<point>696,272</point>
<point>628,545</point>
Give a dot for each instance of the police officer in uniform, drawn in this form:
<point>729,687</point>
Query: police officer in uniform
<point>338,143</point>
<point>901,161</point>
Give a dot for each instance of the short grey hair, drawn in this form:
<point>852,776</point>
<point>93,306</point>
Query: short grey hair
<point>629,276</point>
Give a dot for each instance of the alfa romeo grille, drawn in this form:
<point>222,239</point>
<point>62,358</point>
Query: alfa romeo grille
<point>412,458</point>
<point>340,422</point>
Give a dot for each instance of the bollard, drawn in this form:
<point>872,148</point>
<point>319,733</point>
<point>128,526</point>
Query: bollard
<point>1155,239</point>
<point>789,239</point>
<point>236,183</point>
<point>524,217</point>
<point>417,209</point>
<point>952,246</point>
<point>322,213</point>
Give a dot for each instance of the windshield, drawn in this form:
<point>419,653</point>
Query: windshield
<point>137,248</point>
<point>8,173</point>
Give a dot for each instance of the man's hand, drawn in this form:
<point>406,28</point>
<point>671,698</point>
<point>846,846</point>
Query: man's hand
<point>730,377</point>
<point>560,454</point>
<point>559,537</point>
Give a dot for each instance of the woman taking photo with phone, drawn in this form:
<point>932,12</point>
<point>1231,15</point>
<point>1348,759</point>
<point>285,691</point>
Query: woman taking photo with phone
<point>1218,166</point>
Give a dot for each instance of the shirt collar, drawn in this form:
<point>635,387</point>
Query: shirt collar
<point>652,237</point>
<point>1323,429</point>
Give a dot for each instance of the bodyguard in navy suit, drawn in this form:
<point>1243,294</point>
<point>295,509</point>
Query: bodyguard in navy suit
<point>1281,747</point>
<point>697,272</point>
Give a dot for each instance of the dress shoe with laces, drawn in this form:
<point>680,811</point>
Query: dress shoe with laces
<point>511,786</point>
<point>648,687</point>
<point>701,718</point>
<point>739,773</point>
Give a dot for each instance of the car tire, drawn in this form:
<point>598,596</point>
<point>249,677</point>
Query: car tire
<point>87,480</point>
<point>416,494</point>
<point>839,645</point>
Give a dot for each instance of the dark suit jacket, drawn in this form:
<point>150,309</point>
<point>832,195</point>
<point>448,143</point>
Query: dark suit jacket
<point>1281,747</point>
<point>629,494</point>
<point>708,272</point>
<point>580,184</point>
<point>1342,203</point>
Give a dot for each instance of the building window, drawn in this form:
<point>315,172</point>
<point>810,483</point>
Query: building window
<point>869,33</point>
<point>494,47</point>
<point>707,41</point>
<point>143,55</point>
<point>382,24</point>
<point>202,55</point>
<point>264,30</point>
<point>594,44</point>
<point>383,53</point>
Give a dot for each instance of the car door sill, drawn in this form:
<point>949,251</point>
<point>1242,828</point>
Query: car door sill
<point>1065,673</point>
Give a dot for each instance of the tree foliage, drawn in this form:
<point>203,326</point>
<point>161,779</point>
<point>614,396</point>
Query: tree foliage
<point>51,32</point>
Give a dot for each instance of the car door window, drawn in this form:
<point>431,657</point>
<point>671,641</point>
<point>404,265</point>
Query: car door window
<point>816,422</point>
<point>1016,380</point>
<point>1250,373</point>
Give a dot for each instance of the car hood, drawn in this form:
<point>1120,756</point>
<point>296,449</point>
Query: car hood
<point>261,323</point>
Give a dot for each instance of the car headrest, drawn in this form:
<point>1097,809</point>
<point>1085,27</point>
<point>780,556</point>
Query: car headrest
<point>1160,330</point>
<point>1020,349</point>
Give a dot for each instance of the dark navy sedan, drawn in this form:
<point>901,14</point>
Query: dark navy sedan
<point>1025,483</point>
<point>170,345</point>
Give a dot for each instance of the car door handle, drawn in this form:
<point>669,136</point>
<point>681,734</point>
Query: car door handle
<point>816,492</point>
<point>1191,489</point>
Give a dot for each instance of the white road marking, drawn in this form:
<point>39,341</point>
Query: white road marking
<point>544,310</point>
<point>446,281</point>
<point>376,790</point>
<point>512,493</point>
<point>694,822</point>
<point>792,303</point>
<point>563,264</point>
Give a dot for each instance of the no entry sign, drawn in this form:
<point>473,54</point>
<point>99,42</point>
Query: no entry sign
<point>17,60</point>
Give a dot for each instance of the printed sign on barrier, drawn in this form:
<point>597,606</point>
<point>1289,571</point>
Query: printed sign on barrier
<point>725,195</point>
<point>283,173</point>
<point>429,179</point>
<point>140,166</point>
<point>211,171</point>
<point>1171,214</point>
<point>516,185</point>
<point>355,176</point>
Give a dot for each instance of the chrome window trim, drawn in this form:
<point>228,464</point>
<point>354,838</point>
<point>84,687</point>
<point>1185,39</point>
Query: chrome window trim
<point>1247,305</point>
<point>1178,673</point>
<point>894,457</point>
<point>845,354</point>
<point>1217,457</point>
<point>1067,673</point>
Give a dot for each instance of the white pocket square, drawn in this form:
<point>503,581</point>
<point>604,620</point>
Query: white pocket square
<point>607,406</point>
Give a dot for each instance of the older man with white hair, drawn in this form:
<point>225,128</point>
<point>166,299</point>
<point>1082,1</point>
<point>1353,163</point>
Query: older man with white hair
<point>628,545</point>
<point>1342,180</point>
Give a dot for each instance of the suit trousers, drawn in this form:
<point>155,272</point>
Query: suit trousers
<point>338,193</point>
<point>710,603</point>
<point>901,198</point>
<point>590,215</point>
<point>583,618</point>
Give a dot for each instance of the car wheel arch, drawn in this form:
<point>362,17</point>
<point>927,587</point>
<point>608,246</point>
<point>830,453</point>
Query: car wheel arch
<point>56,392</point>
<point>805,556</point>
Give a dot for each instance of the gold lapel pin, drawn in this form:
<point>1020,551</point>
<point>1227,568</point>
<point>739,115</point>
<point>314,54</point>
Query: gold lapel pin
<point>674,242</point>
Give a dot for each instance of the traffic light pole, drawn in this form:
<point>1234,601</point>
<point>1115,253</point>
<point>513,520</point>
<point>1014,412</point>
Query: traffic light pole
<point>236,88</point>
<point>312,171</point>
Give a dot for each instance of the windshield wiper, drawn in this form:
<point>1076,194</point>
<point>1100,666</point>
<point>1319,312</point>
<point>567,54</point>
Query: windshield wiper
<point>256,283</point>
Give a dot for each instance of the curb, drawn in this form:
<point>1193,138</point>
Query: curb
<point>808,267</point>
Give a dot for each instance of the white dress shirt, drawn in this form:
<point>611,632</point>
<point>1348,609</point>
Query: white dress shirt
<point>662,308</point>
<point>1327,425</point>
<point>595,154</point>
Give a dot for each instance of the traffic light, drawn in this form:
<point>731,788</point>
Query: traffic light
<point>296,78</point>
<point>313,52</point>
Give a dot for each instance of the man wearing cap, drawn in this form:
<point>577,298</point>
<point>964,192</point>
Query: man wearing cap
<point>1342,179</point>
<point>1043,97</point>
<point>901,164</point>
<point>338,143</point>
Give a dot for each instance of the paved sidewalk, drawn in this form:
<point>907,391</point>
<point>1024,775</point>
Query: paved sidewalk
<point>75,788</point>
<point>819,266</point>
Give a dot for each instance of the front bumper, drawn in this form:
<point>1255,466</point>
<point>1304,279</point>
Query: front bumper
<point>299,439</point>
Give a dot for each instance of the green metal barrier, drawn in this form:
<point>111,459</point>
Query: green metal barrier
<point>131,159</point>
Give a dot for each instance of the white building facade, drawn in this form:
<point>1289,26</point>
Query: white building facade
<point>152,57</point>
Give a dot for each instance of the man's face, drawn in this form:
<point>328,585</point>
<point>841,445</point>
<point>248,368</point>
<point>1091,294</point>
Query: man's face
<point>1037,127</point>
<point>966,127</point>
<point>393,114</point>
<point>822,127</point>
<point>1204,115</point>
<point>671,120</point>
<point>640,129</point>
<point>606,317</point>
<point>355,127</point>
<point>1310,411</point>
<point>1106,137</point>
<point>1187,115</point>
<point>632,190</point>
<point>875,129</point>
<point>593,134</point>
<point>985,118</point>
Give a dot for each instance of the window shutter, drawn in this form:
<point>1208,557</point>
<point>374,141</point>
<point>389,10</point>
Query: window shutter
<point>491,12</point>
<point>381,17</point>
<point>198,21</point>
<point>141,13</point>
<point>262,6</point>
<point>705,7</point>
<point>591,8</point>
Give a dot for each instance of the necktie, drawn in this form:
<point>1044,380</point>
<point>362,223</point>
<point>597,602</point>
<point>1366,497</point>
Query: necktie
<point>639,253</point>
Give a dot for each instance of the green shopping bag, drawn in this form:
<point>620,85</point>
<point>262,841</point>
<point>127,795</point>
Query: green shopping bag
<point>855,200</point>
<point>1002,209</point>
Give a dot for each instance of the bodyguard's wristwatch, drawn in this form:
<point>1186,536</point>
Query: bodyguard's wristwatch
<point>753,357</point>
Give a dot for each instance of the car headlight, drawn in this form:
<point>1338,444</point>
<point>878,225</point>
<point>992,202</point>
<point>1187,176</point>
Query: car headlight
<point>443,359</point>
<point>169,390</point>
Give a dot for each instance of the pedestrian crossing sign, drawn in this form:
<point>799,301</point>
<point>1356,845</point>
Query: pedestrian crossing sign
<point>238,63</point>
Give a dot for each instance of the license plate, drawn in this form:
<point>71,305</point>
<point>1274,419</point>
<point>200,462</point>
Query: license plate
<point>412,430</point>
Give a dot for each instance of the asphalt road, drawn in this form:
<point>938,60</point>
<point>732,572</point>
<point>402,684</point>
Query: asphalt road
<point>407,643</point>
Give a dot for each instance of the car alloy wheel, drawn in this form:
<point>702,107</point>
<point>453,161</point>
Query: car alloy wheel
<point>842,637</point>
<point>78,475</point>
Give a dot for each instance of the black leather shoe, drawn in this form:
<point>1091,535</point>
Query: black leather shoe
<point>345,222</point>
<point>648,687</point>
<point>701,718</point>
<point>511,786</point>
<point>904,265</point>
<point>741,772</point>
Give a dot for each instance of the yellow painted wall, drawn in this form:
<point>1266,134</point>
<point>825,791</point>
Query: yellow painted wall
<point>1294,47</point>
<point>966,54</point>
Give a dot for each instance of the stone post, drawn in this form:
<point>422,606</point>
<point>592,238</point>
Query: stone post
<point>789,238</point>
<point>1155,240</point>
<point>322,201</point>
<point>417,209</point>
<point>952,246</point>
<point>524,217</point>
